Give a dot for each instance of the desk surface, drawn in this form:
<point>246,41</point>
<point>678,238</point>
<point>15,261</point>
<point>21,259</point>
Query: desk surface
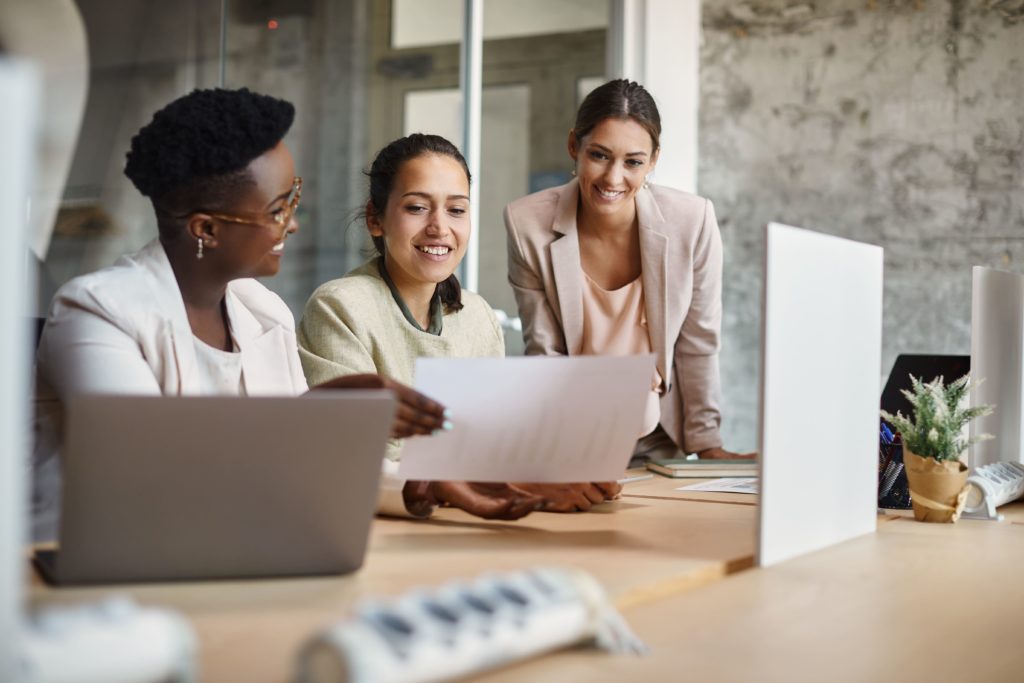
<point>913,602</point>
<point>642,548</point>
<point>868,609</point>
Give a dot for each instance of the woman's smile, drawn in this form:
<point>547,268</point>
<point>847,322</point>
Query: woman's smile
<point>434,252</point>
<point>605,195</point>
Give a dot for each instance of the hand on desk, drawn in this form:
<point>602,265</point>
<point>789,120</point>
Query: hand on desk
<point>416,414</point>
<point>719,453</point>
<point>573,497</point>
<point>487,500</point>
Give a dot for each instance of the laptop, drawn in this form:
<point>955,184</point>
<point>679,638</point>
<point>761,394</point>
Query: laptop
<point>180,488</point>
<point>925,367</point>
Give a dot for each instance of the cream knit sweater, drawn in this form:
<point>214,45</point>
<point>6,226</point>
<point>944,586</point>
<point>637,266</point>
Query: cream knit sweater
<point>352,325</point>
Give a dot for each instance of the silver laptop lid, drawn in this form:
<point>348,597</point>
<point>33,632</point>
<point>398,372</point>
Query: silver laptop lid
<point>163,488</point>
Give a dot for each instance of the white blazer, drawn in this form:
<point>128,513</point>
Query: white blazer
<point>124,330</point>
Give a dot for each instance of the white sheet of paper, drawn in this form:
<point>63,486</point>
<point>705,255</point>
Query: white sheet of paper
<point>537,418</point>
<point>729,485</point>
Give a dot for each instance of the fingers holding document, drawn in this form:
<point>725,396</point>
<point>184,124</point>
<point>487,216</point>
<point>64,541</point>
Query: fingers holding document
<point>506,501</point>
<point>486,500</point>
<point>415,414</point>
<point>611,489</point>
<point>579,497</point>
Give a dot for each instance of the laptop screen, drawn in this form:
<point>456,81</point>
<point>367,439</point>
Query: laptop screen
<point>925,367</point>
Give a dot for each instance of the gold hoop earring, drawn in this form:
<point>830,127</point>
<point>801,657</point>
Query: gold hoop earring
<point>199,251</point>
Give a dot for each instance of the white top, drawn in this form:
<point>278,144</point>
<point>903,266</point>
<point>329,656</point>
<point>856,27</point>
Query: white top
<point>220,372</point>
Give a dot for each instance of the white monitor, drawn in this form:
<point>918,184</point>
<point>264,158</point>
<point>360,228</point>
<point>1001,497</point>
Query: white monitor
<point>821,349</point>
<point>997,358</point>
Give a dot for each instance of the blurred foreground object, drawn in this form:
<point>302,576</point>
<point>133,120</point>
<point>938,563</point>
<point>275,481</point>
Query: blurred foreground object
<point>50,34</point>
<point>467,627</point>
<point>114,641</point>
<point>19,83</point>
<point>990,486</point>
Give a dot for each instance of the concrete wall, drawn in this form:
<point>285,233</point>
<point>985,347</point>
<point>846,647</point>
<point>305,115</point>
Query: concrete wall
<point>893,122</point>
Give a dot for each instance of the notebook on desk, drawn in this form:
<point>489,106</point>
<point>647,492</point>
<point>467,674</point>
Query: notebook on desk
<point>162,488</point>
<point>684,468</point>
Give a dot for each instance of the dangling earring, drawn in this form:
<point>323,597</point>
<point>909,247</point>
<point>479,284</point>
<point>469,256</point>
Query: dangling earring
<point>647,179</point>
<point>199,252</point>
<point>574,170</point>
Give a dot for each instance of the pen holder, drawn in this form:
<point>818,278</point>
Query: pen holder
<point>893,488</point>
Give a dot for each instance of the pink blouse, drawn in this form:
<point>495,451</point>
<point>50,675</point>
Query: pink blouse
<point>615,324</point>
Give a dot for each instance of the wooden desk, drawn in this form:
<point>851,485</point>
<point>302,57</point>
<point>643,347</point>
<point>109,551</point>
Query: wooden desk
<point>641,548</point>
<point>866,610</point>
<point>665,487</point>
<point>913,602</point>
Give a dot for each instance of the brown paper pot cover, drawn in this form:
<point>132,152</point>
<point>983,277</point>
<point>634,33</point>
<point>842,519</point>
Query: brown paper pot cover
<point>937,489</point>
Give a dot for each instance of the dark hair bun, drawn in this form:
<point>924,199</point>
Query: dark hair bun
<point>619,99</point>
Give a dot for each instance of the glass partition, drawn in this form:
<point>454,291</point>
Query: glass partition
<point>537,57</point>
<point>361,73</point>
<point>313,53</point>
<point>142,54</point>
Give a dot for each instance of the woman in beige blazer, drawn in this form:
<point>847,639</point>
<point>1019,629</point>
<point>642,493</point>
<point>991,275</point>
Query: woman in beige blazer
<point>610,263</point>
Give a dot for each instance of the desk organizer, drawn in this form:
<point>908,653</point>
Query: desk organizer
<point>893,489</point>
<point>464,628</point>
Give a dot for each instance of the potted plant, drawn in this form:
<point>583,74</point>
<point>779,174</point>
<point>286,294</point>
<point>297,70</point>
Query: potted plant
<point>933,443</point>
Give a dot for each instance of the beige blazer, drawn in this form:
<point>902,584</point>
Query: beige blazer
<point>681,256</point>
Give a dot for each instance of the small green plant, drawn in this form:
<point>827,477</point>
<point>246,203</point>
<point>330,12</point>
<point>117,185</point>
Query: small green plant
<point>937,430</point>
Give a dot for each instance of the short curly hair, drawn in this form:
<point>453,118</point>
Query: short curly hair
<point>195,151</point>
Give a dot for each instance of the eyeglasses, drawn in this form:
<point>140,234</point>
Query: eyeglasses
<point>282,217</point>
